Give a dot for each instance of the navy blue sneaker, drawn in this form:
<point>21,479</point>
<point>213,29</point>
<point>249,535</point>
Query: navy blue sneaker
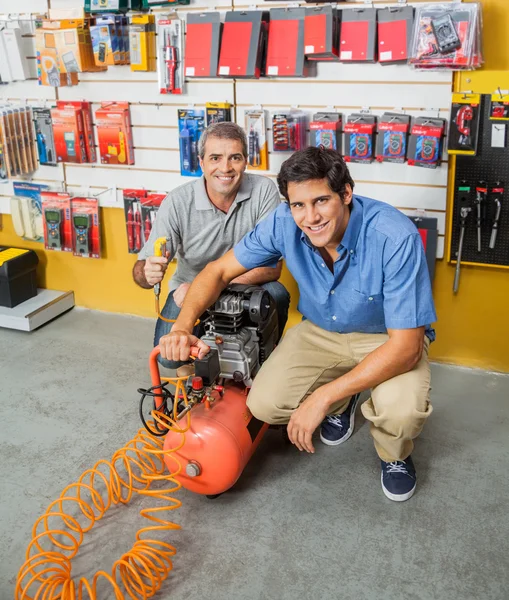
<point>399,479</point>
<point>336,429</point>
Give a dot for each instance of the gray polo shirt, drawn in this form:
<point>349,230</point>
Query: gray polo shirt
<point>198,232</point>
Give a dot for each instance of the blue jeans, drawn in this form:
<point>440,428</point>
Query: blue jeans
<point>171,311</point>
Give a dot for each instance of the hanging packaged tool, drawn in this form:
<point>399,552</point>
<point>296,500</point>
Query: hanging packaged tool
<point>109,40</point>
<point>464,193</point>
<point>191,126</point>
<point>133,219</point>
<point>395,25</point>
<point>86,227</point>
<point>499,107</point>
<point>142,42</point>
<point>425,143</point>
<point>360,138</point>
<point>218,112</point>
<point>167,3</point>
<point>56,213</point>
<point>26,210</point>
<point>496,196</point>
<point>114,133</point>
<point>321,33</point>
<point>69,134</point>
<point>203,36</point>
<point>464,124</point>
<point>447,36</point>
<point>13,62</point>
<point>391,145</point>
<point>18,153</point>
<point>358,35</point>
<point>243,44</point>
<point>289,131</point>
<point>258,151</point>
<point>170,52</point>
<point>285,49</point>
<point>44,136</point>
<point>325,130</point>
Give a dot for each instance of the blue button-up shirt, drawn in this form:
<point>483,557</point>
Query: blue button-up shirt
<point>380,279</point>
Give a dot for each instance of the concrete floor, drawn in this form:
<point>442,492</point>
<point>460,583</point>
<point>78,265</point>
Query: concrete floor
<point>295,526</point>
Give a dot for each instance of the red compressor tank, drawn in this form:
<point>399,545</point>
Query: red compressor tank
<point>220,441</point>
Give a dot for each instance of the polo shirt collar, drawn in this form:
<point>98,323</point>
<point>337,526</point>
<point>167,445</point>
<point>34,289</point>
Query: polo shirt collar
<point>353,228</point>
<point>202,201</point>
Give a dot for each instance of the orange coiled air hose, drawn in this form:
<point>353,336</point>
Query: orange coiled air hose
<point>57,534</point>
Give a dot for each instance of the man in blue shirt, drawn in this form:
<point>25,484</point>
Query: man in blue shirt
<point>366,299</point>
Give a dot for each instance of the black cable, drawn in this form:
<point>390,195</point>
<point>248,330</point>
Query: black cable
<point>162,393</point>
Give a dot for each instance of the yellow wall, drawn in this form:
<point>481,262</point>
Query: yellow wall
<point>473,327</point>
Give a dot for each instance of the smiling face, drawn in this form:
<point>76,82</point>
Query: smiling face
<point>223,165</point>
<point>319,212</point>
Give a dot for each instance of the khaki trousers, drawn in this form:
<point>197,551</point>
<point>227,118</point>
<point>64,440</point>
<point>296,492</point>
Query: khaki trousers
<point>309,357</point>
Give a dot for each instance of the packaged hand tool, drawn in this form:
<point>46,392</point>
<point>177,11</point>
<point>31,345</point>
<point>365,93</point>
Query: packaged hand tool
<point>170,51</point>
<point>325,130</point>
<point>56,212</point>
<point>191,126</point>
<point>447,36</point>
<point>289,131</point>
<point>464,124</point>
<point>425,143</point>
<point>86,227</point>
<point>360,132</point>
<point>391,145</point>
<point>258,151</point>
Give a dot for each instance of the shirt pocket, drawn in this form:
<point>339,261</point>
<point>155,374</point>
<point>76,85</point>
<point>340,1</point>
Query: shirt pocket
<point>368,310</point>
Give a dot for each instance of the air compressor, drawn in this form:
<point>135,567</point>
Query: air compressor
<point>241,329</point>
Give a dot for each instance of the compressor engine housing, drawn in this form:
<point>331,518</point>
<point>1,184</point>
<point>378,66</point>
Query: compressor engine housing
<point>242,326</point>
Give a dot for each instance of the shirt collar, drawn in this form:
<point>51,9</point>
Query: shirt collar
<point>353,228</point>
<point>202,201</point>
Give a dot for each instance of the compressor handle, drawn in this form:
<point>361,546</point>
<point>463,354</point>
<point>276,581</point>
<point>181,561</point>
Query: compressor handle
<point>153,365</point>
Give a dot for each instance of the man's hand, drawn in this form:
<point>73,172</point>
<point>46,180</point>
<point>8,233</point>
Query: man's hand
<point>155,268</point>
<point>177,345</point>
<point>306,419</point>
<point>180,293</point>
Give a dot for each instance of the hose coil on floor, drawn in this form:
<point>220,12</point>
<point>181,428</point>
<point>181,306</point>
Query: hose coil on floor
<point>58,533</point>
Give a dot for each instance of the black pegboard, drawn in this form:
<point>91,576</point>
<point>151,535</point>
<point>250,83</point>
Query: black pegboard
<point>489,165</point>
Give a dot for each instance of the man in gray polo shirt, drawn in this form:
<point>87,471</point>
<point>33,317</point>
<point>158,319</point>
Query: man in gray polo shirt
<point>205,218</point>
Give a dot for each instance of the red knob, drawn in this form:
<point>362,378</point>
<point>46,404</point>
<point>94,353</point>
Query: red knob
<point>197,384</point>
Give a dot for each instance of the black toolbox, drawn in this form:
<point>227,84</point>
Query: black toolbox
<point>17,275</point>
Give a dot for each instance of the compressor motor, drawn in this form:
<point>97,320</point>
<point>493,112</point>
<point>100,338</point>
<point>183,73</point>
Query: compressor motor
<point>241,329</point>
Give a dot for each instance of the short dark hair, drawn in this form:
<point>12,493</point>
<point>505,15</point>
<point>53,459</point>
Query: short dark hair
<point>315,163</point>
<point>225,130</point>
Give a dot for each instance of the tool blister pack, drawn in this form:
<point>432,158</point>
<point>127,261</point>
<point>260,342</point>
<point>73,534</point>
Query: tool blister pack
<point>18,154</point>
<point>140,210</point>
<point>426,142</point>
<point>392,139</point>
<point>86,227</point>
<point>170,52</point>
<point>289,131</point>
<point>499,106</point>
<point>360,130</point>
<point>142,42</point>
<point>26,210</point>
<point>325,129</point>
<point>44,136</point>
<point>218,112</point>
<point>258,149</point>
<point>447,36</point>
<point>56,218</point>
<point>191,126</point>
<point>114,133</point>
<point>479,233</point>
<point>464,124</point>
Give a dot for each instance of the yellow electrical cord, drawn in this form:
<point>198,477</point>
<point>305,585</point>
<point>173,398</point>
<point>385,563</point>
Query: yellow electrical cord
<point>57,535</point>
